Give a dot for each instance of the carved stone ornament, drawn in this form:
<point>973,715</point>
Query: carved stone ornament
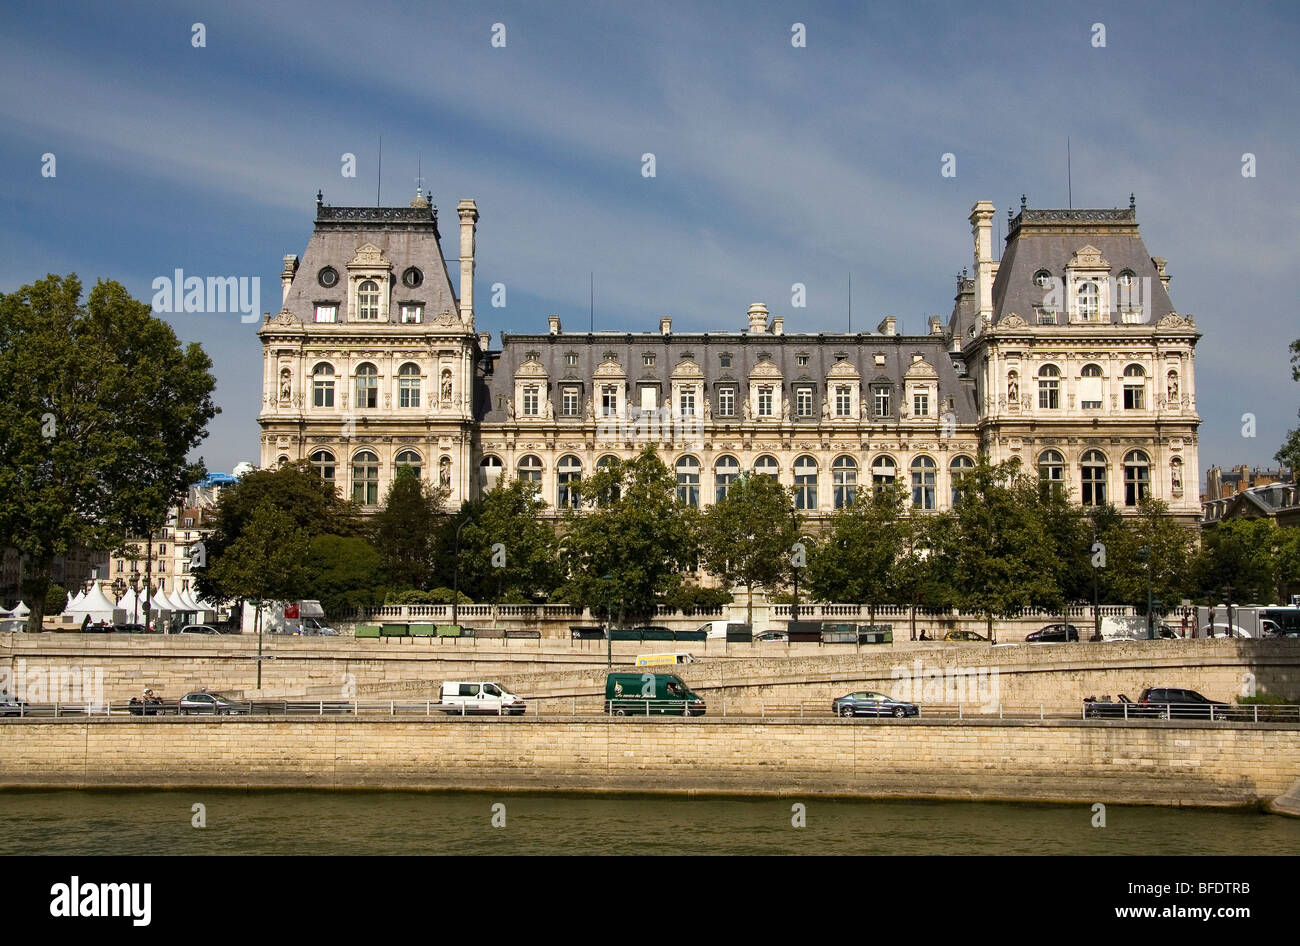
<point>287,318</point>
<point>1012,320</point>
<point>447,318</point>
<point>1174,320</point>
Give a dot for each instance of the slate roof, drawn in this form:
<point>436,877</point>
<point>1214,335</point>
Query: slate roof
<point>403,233</point>
<point>1047,239</point>
<point>705,348</point>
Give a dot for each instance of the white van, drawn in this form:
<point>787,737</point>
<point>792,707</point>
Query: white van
<point>479,696</point>
<point>717,630</point>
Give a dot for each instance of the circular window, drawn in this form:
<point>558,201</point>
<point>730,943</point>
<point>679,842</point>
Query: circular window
<point>1126,278</point>
<point>1042,278</point>
<point>412,277</point>
<point>328,277</point>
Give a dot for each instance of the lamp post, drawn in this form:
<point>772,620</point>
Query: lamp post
<point>1227,596</point>
<point>1151,629</point>
<point>455,580</point>
<point>1096,612</point>
<point>794,566</point>
<point>607,581</point>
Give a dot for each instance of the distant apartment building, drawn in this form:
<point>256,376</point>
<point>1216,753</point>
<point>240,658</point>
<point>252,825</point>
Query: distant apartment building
<point>69,571</point>
<point>1245,493</point>
<point>167,558</point>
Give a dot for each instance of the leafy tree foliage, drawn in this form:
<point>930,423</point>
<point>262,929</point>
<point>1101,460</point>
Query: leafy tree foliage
<point>101,410</point>
<point>747,537</point>
<point>407,529</point>
<point>507,549</point>
<point>343,573</point>
<point>858,557</point>
<point>632,528</point>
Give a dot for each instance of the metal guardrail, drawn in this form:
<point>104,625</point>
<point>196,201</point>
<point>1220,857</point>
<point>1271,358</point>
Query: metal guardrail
<point>595,706</point>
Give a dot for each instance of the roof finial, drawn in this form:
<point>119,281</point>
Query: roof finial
<point>1132,202</point>
<point>319,197</point>
<point>1022,201</point>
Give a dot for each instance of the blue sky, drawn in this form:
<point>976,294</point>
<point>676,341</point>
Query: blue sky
<point>775,164</point>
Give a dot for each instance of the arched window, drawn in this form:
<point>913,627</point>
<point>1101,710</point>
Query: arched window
<point>530,469</point>
<point>1051,471</point>
<point>411,460</point>
<point>1090,393</point>
<point>568,473</point>
<point>322,461</point>
<point>844,481</point>
<point>1049,387</point>
<point>924,473</point>
<point>367,386</point>
<point>365,478</point>
<point>1092,470</point>
<point>957,469</point>
<point>322,385</point>
<point>725,471</point>
<point>766,465</point>
<point>1137,477</point>
<point>688,480</point>
<point>805,483</point>
<point>1088,301</point>
<point>883,471</point>
<point>1135,383</point>
<point>408,385</point>
<point>368,301</point>
<point>490,468</point>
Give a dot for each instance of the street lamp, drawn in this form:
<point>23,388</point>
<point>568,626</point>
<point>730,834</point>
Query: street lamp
<point>455,580</point>
<point>607,581</point>
<point>1096,564</point>
<point>1151,629</point>
<point>794,566</point>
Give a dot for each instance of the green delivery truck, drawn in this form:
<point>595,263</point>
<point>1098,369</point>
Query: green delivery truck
<point>643,694</point>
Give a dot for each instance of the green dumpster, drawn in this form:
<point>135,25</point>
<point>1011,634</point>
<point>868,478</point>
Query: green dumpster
<point>449,630</point>
<point>424,630</point>
<point>367,630</point>
<point>394,630</point>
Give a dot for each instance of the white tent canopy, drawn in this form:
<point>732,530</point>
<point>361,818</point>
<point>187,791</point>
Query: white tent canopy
<point>96,604</point>
<point>22,610</point>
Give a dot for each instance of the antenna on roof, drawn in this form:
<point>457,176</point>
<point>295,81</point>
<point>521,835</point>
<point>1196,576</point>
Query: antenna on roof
<point>592,289</point>
<point>380,183</point>
<point>419,173</point>
<point>850,303</point>
<point>1069,177</point>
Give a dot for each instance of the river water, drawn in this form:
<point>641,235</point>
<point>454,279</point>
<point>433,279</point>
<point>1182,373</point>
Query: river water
<point>381,823</point>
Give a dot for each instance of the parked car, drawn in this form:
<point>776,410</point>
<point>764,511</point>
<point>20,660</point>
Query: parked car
<point>1053,634</point>
<point>1106,709</point>
<point>1224,629</point>
<point>1170,703</point>
<point>964,636</point>
<point>213,704</point>
<point>869,703</point>
<point>131,628</point>
<point>199,629</point>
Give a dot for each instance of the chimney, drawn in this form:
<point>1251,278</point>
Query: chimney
<point>484,341</point>
<point>286,277</point>
<point>1161,263</point>
<point>758,319</point>
<point>936,327</point>
<point>981,222</point>
<point>778,325</point>
<point>553,323</point>
<point>468,212</point>
<point>887,325</point>
<point>666,325</point>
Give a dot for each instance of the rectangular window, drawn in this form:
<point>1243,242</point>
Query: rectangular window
<point>765,401</point>
<point>921,405</point>
<point>327,313</point>
<point>569,403</point>
<point>803,402</point>
<point>648,361</point>
<point>843,400</point>
<point>1049,394</point>
<point>530,401</point>
<point>727,402</point>
<point>688,402</point>
<point>1133,397</point>
<point>649,397</point>
<point>882,402</point>
<point>609,400</point>
<point>412,314</point>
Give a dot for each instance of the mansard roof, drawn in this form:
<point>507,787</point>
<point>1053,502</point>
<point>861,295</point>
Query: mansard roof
<point>747,350</point>
<point>404,236</point>
<point>1048,240</point>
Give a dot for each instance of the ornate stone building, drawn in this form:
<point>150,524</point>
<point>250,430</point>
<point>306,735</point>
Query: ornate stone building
<point>1065,353</point>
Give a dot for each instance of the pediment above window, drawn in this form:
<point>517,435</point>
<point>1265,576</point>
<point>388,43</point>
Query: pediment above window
<point>369,256</point>
<point>1088,257</point>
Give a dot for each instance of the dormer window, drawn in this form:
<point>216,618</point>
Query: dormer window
<point>648,361</point>
<point>327,312</point>
<point>368,301</point>
<point>724,361</point>
<point>803,402</point>
<point>412,313</point>
<point>531,400</point>
<point>921,404</point>
<point>1042,279</point>
<point>843,400</point>
<point>765,401</point>
<point>881,398</point>
<point>801,361</point>
<point>1087,301</point>
<point>571,359</point>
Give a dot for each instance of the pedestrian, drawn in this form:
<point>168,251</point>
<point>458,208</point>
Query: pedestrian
<point>85,623</point>
<point>1184,625</point>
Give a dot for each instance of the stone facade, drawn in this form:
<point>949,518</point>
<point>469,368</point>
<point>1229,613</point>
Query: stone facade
<point>1065,353</point>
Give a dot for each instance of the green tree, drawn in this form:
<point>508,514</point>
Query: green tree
<point>343,573</point>
<point>507,549</point>
<point>1288,455</point>
<point>406,530</point>
<point>102,408</point>
<point>1001,564</point>
<point>311,504</point>
<point>1243,554</point>
<point>1169,561</point>
<point>633,528</point>
<point>923,571</point>
<point>747,537</point>
<point>1068,534</point>
<point>857,558</point>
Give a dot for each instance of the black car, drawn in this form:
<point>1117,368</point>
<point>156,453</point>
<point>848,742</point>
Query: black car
<point>1125,708</point>
<point>1053,634</point>
<point>1170,703</point>
<point>867,703</point>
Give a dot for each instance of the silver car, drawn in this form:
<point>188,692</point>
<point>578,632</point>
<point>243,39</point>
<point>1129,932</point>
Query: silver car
<point>211,704</point>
